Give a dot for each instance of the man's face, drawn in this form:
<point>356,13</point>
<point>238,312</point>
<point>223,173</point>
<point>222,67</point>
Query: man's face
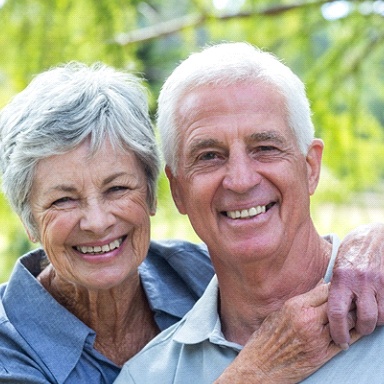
<point>241,178</point>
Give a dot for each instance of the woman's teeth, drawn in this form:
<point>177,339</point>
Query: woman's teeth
<point>246,213</point>
<point>101,249</point>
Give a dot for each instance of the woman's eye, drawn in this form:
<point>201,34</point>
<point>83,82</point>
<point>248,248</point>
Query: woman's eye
<point>62,201</point>
<point>118,188</point>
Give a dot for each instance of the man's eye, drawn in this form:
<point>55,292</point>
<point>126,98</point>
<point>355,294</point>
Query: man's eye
<point>265,148</point>
<point>208,156</point>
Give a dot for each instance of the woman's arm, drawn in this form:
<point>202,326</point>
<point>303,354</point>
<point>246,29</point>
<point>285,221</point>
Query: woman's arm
<point>358,280</point>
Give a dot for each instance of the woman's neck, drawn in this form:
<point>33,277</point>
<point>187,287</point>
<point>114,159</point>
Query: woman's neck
<point>121,316</point>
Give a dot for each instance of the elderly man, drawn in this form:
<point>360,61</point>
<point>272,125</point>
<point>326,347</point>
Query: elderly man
<point>245,167</point>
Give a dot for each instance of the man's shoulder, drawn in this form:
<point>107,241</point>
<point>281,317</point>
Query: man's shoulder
<point>180,353</point>
<point>166,360</point>
<point>351,366</point>
<point>159,358</point>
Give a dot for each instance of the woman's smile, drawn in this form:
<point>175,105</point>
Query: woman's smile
<point>100,249</point>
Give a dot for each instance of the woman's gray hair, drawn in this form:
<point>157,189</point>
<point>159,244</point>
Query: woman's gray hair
<point>62,107</point>
<point>222,65</point>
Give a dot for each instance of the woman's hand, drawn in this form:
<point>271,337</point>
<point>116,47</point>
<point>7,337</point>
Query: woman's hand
<point>291,343</point>
<point>358,280</point>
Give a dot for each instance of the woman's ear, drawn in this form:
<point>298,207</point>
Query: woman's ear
<point>313,159</point>
<point>153,209</point>
<point>29,234</point>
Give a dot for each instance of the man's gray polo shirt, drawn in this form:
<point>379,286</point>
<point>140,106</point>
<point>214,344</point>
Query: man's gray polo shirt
<point>195,351</point>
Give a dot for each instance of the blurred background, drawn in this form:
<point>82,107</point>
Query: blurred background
<point>336,47</point>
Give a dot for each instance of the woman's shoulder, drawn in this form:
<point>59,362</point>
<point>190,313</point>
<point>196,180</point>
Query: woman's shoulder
<point>190,261</point>
<point>172,248</point>
<point>174,275</point>
<point>18,360</point>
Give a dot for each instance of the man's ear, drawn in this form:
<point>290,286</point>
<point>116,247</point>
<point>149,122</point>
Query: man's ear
<point>176,190</point>
<point>313,159</point>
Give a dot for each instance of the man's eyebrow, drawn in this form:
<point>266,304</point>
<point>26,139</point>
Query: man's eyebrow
<point>268,136</point>
<point>202,144</point>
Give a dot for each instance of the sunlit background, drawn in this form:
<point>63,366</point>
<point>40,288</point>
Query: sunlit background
<point>336,47</point>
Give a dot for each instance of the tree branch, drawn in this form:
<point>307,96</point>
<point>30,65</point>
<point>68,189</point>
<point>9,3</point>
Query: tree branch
<point>170,27</point>
<point>160,30</point>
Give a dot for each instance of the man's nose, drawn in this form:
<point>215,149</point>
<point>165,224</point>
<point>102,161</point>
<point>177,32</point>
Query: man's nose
<point>97,217</point>
<point>241,174</point>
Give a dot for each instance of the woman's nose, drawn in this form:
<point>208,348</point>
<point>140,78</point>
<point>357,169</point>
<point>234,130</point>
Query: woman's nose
<point>97,217</point>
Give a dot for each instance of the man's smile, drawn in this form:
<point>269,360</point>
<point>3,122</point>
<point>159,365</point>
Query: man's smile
<point>250,212</point>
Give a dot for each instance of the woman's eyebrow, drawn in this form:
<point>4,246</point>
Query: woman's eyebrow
<point>72,188</point>
<point>63,188</point>
<point>114,176</point>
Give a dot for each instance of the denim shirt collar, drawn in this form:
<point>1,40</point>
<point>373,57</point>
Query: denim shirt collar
<point>22,295</point>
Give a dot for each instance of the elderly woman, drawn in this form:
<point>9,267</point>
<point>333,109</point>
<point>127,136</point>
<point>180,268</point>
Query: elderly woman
<point>80,166</point>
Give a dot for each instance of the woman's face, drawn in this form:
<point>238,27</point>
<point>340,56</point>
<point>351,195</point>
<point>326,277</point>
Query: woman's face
<point>92,215</point>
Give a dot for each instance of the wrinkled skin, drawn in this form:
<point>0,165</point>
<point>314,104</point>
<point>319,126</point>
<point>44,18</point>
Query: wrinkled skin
<point>284,347</point>
<point>358,280</point>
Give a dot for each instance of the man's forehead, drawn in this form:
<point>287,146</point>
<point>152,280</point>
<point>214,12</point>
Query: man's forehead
<point>210,98</point>
<point>208,114</point>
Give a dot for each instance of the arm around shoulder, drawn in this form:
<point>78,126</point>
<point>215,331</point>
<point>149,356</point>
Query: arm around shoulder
<point>358,280</point>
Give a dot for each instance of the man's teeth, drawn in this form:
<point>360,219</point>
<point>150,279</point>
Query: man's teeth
<point>246,213</point>
<point>101,249</point>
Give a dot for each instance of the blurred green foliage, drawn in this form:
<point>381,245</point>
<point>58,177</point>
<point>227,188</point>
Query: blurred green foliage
<point>336,47</point>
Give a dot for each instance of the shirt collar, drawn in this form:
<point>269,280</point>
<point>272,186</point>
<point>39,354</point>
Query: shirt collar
<point>39,319</point>
<point>204,311</point>
<point>205,314</point>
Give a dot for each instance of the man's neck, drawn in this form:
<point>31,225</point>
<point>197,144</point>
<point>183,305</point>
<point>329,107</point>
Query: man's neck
<point>249,293</point>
